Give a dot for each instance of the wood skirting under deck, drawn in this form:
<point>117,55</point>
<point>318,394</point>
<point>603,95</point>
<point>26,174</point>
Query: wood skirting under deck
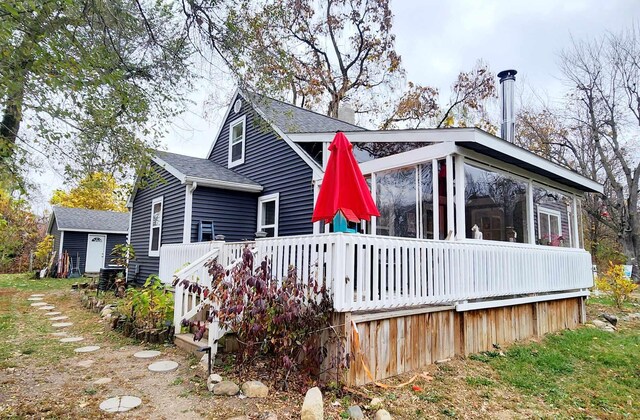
<point>399,343</point>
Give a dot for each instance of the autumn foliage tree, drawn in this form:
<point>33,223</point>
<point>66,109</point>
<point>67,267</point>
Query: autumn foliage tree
<point>317,54</point>
<point>96,191</point>
<point>20,232</point>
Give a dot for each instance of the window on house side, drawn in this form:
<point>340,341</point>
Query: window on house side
<point>237,141</point>
<point>549,228</point>
<point>268,208</point>
<point>155,227</point>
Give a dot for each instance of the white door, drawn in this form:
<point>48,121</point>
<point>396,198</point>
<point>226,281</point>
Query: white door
<point>96,247</point>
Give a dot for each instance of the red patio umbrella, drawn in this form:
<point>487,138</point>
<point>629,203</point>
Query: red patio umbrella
<point>343,188</point>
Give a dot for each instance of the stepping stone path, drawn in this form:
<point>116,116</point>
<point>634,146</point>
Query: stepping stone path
<point>120,404</point>
<point>163,366</point>
<point>37,295</point>
<point>59,334</point>
<point>35,298</point>
<point>61,324</point>
<point>146,354</point>
<point>58,318</point>
<point>40,304</point>
<point>87,349</point>
<point>46,307</point>
<point>52,313</point>
<point>102,381</point>
<point>71,339</point>
<point>85,363</point>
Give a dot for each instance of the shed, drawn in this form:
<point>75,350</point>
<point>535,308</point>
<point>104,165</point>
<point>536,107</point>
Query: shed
<point>87,235</point>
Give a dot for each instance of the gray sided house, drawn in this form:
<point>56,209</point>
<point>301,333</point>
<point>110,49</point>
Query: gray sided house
<point>87,235</point>
<point>254,179</point>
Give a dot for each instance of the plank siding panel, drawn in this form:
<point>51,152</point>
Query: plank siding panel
<point>172,221</point>
<point>270,162</point>
<point>56,236</point>
<point>75,243</point>
<point>113,239</point>
<point>234,213</point>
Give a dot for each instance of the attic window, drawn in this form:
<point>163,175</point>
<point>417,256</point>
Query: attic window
<point>237,141</point>
<point>237,106</point>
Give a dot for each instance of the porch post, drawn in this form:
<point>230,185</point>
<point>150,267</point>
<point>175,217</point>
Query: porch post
<point>188,204</point>
<point>459,197</point>
<point>374,195</point>
<point>436,199</point>
<point>576,234</point>
<point>530,218</point>
<point>450,201</point>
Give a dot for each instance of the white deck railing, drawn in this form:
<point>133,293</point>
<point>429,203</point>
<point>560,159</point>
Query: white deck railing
<point>367,272</point>
<point>174,257</point>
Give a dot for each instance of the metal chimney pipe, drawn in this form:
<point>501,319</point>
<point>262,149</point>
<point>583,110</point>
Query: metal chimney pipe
<point>507,126</point>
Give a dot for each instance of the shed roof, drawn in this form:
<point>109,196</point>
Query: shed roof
<point>84,220</point>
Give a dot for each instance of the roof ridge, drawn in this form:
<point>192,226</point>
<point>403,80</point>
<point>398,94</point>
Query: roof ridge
<point>303,109</point>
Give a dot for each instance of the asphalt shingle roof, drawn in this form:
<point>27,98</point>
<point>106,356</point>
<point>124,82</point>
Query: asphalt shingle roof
<point>203,168</point>
<point>292,119</point>
<point>92,220</point>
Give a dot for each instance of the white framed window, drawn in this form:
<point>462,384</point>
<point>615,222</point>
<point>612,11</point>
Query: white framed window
<point>268,212</point>
<point>155,227</point>
<point>549,226</point>
<point>237,134</point>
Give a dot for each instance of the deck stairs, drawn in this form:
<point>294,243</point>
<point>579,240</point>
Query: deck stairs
<point>193,306</point>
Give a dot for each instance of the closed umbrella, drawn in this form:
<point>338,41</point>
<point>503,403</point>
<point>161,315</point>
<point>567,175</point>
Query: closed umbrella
<point>343,188</point>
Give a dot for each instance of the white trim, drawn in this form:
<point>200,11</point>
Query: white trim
<point>462,307</point>
<point>450,198</point>
<point>224,119</point>
<point>205,182</point>
<point>61,246</point>
<point>224,185</point>
<point>460,208</point>
<point>436,199</point>
<point>531,216</point>
<point>188,207</point>
<point>265,199</point>
<point>410,158</point>
<point>238,121</point>
<point>576,228</point>
<point>153,203</point>
<point>496,164</point>
<point>456,135</point>
<point>104,252</point>
<point>121,232</point>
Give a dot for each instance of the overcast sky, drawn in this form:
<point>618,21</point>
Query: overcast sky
<point>437,40</point>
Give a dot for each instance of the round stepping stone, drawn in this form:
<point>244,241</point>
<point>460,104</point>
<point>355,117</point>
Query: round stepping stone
<point>85,363</point>
<point>163,366</point>
<point>146,354</point>
<point>71,339</point>
<point>37,295</point>
<point>61,324</point>
<point>35,298</point>
<point>40,304</point>
<point>59,334</point>
<point>52,313</point>
<point>120,404</point>
<point>87,349</point>
<point>46,307</point>
<point>58,318</point>
<point>102,381</point>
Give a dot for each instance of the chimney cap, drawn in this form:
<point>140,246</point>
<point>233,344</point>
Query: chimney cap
<point>507,75</point>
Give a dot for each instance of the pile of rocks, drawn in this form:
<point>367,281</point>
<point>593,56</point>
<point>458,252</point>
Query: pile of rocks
<point>313,408</point>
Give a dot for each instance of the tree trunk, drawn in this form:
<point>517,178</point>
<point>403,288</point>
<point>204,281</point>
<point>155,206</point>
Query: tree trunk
<point>11,119</point>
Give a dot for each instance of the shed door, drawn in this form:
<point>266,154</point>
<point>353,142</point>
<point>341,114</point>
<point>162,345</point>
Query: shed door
<point>96,247</point>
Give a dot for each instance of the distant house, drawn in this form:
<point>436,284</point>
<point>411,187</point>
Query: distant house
<point>87,235</point>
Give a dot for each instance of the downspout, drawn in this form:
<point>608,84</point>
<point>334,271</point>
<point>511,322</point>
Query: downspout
<point>188,206</point>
